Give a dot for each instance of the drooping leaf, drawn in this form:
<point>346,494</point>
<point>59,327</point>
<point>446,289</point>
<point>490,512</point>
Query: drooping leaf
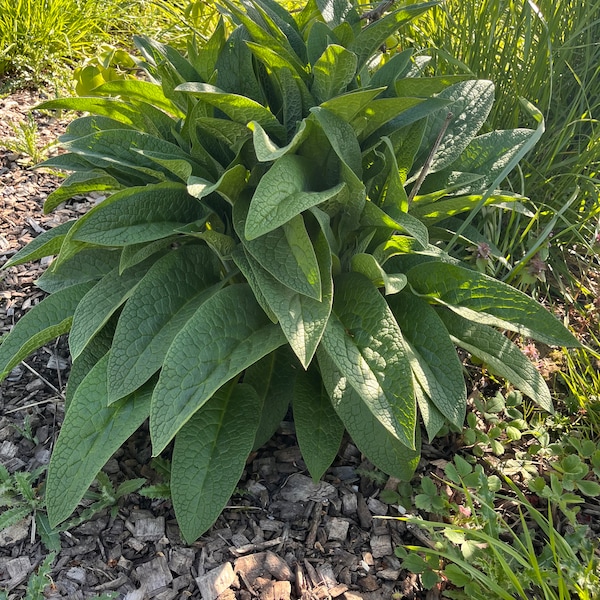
<point>500,355</point>
<point>100,303</point>
<point>381,447</point>
<point>44,322</point>
<point>485,300</point>
<point>282,193</point>
<point>45,244</point>
<point>286,252</point>
<point>302,319</point>
<point>87,264</point>
<point>434,362</point>
<point>210,454</point>
<point>225,335</point>
<point>238,108</point>
<point>139,214</point>
<point>318,428</point>
<point>92,431</point>
<point>273,378</point>
<point>366,345</point>
<point>166,297</point>
<point>80,183</point>
<point>433,419</point>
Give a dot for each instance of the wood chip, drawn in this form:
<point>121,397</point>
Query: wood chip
<point>381,545</point>
<point>216,581</point>
<point>276,590</point>
<point>154,574</point>
<point>337,529</point>
<point>149,529</point>
<point>300,488</point>
<point>278,567</point>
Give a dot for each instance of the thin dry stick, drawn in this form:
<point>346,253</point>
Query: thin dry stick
<point>52,387</point>
<point>427,165</point>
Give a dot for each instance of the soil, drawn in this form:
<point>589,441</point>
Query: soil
<point>282,536</point>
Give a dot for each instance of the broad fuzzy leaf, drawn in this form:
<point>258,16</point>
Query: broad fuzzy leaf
<point>281,194</point>
<point>92,431</point>
<point>228,333</point>
<point>139,214</point>
<point>238,108</point>
<point>485,300</point>
<point>381,447</point>
<point>434,361</point>
<point>374,35</point>
<point>80,183</point>
<point>302,319</point>
<point>45,244</point>
<point>470,104</point>
<point>318,427</point>
<point>88,264</point>
<point>209,456</point>
<point>167,296</point>
<point>500,355</point>
<point>273,378</point>
<point>97,306</point>
<point>366,345</point>
<point>286,252</point>
<point>44,322</point>
<point>332,73</point>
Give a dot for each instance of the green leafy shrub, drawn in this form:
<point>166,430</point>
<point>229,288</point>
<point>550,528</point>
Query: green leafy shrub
<point>274,236</point>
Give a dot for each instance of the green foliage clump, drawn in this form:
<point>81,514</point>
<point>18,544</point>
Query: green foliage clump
<point>274,234</point>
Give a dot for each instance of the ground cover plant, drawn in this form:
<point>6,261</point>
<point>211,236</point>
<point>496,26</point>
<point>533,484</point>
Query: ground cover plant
<point>279,204</point>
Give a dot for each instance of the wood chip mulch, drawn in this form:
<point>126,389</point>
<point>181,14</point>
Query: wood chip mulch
<point>282,536</point>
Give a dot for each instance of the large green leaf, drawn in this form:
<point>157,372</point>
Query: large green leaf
<point>273,379</point>
<point>44,322</point>
<point>92,431</point>
<point>88,264</point>
<point>145,91</point>
<point>366,345</point>
<point>119,148</point>
<point>470,104</point>
<point>318,428</point>
<point>167,296</point>
<point>286,252</point>
<point>483,299</point>
<point>139,214</point>
<point>209,456</point>
<point>100,303</point>
<point>141,115</point>
<point>332,73</point>
<point>500,355</point>
<point>225,335</point>
<point>45,244</point>
<point>403,222</point>
<point>435,363</point>
<point>80,183</point>
<point>85,362</point>
<point>281,194</point>
<point>381,447</point>
<point>266,150</point>
<point>341,137</point>
<point>302,319</point>
<point>238,108</point>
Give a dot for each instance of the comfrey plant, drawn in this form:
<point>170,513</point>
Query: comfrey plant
<point>276,232</point>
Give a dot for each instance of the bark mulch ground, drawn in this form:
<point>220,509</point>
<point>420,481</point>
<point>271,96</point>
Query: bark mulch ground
<point>283,536</point>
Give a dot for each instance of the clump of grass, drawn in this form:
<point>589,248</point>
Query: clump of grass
<point>549,53</point>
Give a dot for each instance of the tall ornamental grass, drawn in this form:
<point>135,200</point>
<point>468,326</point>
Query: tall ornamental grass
<point>548,52</point>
